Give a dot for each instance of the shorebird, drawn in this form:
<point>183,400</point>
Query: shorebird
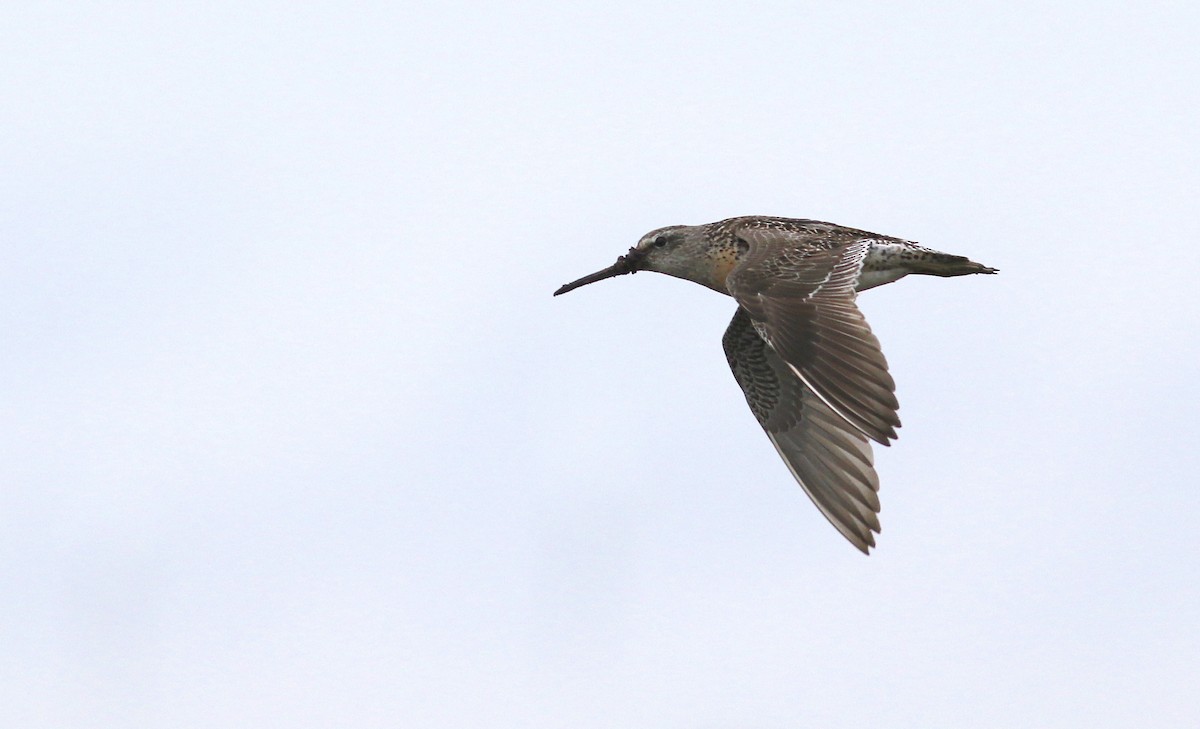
<point>812,371</point>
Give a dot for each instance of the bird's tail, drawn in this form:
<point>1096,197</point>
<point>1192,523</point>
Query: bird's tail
<point>945,264</point>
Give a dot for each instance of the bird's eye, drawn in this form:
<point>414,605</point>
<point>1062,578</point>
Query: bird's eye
<point>660,241</point>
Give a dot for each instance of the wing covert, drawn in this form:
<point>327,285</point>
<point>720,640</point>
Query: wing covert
<point>830,459</point>
<point>797,286</point>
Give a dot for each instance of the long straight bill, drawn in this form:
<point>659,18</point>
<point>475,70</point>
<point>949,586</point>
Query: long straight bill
<point>625,264</point>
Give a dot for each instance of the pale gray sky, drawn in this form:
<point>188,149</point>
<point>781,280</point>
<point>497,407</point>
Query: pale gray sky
<point>295,434</point>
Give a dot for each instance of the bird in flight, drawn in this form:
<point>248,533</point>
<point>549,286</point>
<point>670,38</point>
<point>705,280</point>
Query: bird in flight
<point>812,371</point>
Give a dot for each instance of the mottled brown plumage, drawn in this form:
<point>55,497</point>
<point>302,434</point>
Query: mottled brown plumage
<point>812,371</point>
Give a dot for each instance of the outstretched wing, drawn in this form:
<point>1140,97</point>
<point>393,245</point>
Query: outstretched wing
<point>831,460</point>
<point>796,283</point>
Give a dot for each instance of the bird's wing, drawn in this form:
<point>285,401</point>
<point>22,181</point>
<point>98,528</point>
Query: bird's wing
<point>831,460</point>
<point>797,285</point>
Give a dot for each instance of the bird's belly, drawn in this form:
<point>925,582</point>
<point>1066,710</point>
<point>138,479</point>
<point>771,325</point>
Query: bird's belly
<point>883,264</point>
<point>869,279</point>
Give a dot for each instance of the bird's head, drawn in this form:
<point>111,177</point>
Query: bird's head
<point>674,250</point>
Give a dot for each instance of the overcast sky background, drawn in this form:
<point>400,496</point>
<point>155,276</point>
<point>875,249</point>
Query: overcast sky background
<point>295,435</point>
